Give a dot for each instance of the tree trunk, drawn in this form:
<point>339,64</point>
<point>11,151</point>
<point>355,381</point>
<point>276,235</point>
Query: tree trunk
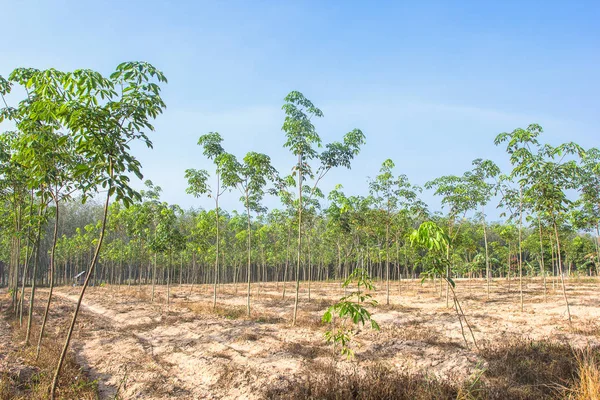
<point>85,284</point>
<point>33,277</point>
<point>487,256</point>
<point>299,238</point>
<point>520,247</point>
<point>249,266</point>
<point>542,266</point>
<point>51,272</point>
<point>560,271</point>
<point>217,244</point>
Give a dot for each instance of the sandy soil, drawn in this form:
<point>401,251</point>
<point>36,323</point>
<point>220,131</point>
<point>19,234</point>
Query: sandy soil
<point>142,350</point>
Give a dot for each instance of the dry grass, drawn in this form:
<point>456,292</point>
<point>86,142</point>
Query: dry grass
<point>416,331</point>
<point>317,305</point>
<point>248,336</point>
<point>306,350</point>
<point>309,321</point>
<point>515,370</point>
<point>522,369</point>
<point>588,377</point>
<point>587,328</point>
<point>229,312</point>
<point>326,381</point>
<point>31,379</point>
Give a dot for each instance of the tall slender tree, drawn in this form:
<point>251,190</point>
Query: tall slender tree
<point>250,177</point>
<point>197,185</point>
<point>302,140</point>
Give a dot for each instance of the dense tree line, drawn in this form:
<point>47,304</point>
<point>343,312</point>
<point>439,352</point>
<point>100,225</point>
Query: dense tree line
<point>350,231</point>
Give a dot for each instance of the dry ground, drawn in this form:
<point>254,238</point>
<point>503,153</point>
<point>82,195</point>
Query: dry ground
<point>139,349</point>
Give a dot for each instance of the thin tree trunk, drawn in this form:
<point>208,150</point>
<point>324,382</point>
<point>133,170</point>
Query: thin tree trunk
<point>520,247</point>
<point>487,256</point>
<point>27,260</point>
<point>169,279</point>
<point>387,257</point>
<point>249,267</point>
<point>217,244</point>
<point>299,238</point>
<point>287,260</point>
<point>33,277</point>
<point>153,278</point>
<point>85,284</point>
<point>542,266</point>
<point>560,270</point>
<point>51,272</point>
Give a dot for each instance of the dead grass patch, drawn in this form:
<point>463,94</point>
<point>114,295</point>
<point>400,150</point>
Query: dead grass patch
<point>248,336</point>
<point>222,354</point>
<point>317,305</point>
<point>587,328</point>
<point>229,312</point>
<point>264,318</point>
<point>588,374</point>
<point>517,369</point>
<point>395,307</point>
<point>521,369</point>
<point>415,331</point>
<point>326,381</point>
<point>309,321</point>
<point>305,350</point>
<point>31,379</point>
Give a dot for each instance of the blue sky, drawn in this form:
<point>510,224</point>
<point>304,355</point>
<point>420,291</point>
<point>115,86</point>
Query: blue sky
<point>429,83</point>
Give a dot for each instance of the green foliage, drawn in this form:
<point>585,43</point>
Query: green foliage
<point>351,311</point>
<point>431,237</point>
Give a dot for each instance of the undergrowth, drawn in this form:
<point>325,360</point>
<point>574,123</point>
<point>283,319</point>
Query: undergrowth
<point>28,378</point>
<point>518,369</point>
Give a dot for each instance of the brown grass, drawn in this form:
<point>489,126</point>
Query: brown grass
<point>514,370</point>
<point>522,369</point>
<point>588,374</point>
<point>587,328</point>
<point>415,331</point>
<point>248,336</point>
<point>229,312</point>
<point>326,381</point>
<point>31,379</point>
<point>306,350</point>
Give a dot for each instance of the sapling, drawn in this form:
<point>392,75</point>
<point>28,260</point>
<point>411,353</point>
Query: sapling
<point>431,237</point>
<point>351,311</point>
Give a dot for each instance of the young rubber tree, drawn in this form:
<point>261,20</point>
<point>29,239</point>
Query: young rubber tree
<point>521,145</point>
<point>105,115</point>
<point>515,205</point>
<point>483,191</point>
<point>168,238</point>
<point>589,189</point>
<point>458,196</point>
<point>302,140</point>
<point>435,241</point>
<point>250,177</point>
<point>543,179</point>
<point>548,180</point>
<point>351,311</point>
<point>198,186</point>
<point>391,193</point>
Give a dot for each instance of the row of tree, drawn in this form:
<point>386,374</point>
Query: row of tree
<point>69,132</point>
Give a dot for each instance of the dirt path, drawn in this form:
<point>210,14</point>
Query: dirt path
<point>150,354</point>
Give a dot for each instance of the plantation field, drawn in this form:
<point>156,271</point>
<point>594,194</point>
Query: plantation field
<point>142,350</point>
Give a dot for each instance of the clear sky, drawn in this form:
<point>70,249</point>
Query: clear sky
<point>429,83</point>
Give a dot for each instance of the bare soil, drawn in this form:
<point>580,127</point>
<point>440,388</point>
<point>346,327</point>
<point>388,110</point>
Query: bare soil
<point>138,349</point>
